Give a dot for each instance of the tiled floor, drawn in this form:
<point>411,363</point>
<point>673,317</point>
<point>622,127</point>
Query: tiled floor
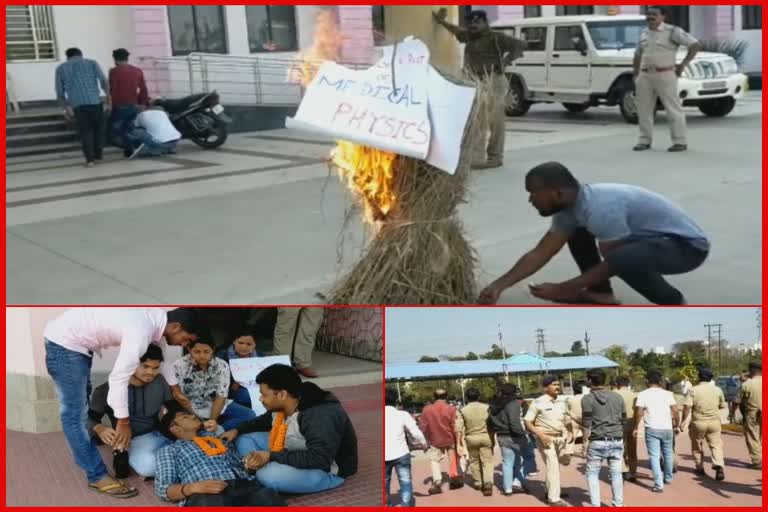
<point>40,471</point>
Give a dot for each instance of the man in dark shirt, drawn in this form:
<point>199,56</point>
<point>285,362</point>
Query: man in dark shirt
<point>128,91</point>
<point>77,89</point>
<point>486,54</point>
<point>147,392</point>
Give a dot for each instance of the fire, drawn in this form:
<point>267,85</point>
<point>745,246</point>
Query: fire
<point>369,173</point>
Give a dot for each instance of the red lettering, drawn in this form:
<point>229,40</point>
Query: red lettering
<point>342,109</point>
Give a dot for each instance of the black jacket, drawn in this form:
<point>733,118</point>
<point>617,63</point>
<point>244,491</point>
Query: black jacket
<point>505,418</point>
<point>326,427</point>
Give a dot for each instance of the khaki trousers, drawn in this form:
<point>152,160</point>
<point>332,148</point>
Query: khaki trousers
<point>650,87</point>
<point>480,450</point>
<point>709,431</point>
<point>493,150</point>
<point>303,327</point>
<point>436,458</point>
<point>629,463</point>
<point>553,456</point>
<point>753,434</point>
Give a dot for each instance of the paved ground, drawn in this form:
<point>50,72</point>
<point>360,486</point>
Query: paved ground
<point>260,221</point>
<point>40,471</point>
<point>742,487</point>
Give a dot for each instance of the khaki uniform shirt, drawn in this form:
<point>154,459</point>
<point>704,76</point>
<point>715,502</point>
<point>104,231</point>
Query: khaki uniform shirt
<point>629,402</point>
<point>705,402</point>
<point>548,414</point>
<point>473,419</point>
<point>484,52</point>
<point>659,47</point>
<point>751,395</point>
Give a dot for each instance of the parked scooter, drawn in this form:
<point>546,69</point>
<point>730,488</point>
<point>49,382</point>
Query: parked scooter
<point>199,118</point>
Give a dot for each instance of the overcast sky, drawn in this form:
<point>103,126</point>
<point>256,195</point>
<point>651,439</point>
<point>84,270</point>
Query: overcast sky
<point>413,332</point>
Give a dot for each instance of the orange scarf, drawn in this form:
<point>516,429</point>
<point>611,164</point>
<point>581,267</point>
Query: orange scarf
<point>211,446</point>
<point>278,433</point>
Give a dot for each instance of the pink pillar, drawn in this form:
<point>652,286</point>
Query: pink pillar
<point>510,12</point>
<point>152,41</point>
<point>723,20</point>
<point>628,9</point>
<point>356,25</point>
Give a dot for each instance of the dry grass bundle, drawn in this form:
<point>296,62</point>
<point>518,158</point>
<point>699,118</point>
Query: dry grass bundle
<point>419,254</point>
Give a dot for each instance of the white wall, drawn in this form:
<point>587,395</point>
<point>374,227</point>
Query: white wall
<point>95,29</point>
<point>18,354</point>
<point>753,61</point>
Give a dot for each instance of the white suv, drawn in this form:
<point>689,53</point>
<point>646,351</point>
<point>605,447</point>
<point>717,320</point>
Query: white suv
<point>586,61</point>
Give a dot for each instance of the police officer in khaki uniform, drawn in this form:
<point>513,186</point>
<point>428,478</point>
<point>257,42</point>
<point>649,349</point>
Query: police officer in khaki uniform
<point>546,419</point>
<point>295,334</point>
<point>487,53</point>
<point>575,424</point>
<point>704,403</point>
<point>629,465</point>
<point>472,426</point>
<point>751,406</point>
<point>656,74</point>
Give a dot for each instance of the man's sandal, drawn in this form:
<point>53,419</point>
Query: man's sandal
<point>120,490</point>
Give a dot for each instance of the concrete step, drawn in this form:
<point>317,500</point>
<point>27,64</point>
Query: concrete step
<point>36,127</point>
<point>38,139</point>
<point>34,116</point>
<point>43,149</point>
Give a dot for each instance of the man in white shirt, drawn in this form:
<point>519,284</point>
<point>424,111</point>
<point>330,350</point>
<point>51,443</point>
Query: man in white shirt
<point>155,132</point>
<point>73,338</point>
<point>658,409</point>
<point>397,454</point>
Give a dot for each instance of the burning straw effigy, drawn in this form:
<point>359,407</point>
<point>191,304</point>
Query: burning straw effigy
<point>419,253</point>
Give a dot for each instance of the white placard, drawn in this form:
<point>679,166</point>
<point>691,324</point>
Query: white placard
<point>389,106</point>
<point>245,371</point>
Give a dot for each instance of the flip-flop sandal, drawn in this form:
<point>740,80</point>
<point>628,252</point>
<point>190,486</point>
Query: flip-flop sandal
<point>130,492</point>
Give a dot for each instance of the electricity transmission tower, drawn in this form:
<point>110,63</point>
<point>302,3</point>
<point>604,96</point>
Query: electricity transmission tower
<point>541,347</point>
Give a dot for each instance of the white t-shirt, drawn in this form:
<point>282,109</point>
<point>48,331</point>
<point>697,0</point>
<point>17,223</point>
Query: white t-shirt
<point>395,423</point>
<point>158,125</point>
<point>656,402</point>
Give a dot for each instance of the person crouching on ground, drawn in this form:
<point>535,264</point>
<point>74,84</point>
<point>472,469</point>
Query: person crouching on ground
<point>304,443</point>
<point>198,470</point>
<point>154,134</point>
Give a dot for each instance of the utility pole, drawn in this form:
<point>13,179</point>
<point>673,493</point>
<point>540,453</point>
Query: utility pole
<point>501,344</point>
<point>759,320</point>
<point>709,342</point>
<point>586,341</point>
<point>541,347</point>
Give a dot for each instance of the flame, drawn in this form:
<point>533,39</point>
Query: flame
<point>326,45</point>
<point>369,173</point>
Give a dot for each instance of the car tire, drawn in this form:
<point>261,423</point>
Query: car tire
<point>628,103</point>
<point>576,108</point>
<point>719,107</point>
<point>515,103</point>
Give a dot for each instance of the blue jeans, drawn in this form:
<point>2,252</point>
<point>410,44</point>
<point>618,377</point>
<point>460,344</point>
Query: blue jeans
<point>71,374</point>
<point>121,123</point>
<point>234,415</point>
<point>613,452</point>
<point>529,456</point>
<point>403,468</point>
<point>512,468</point>
<point>658,442</point>
<point>241,396</point>
<point>284,478</point>
<point>141,453</point>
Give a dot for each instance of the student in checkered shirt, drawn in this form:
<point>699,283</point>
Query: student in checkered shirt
<point>200,470</point>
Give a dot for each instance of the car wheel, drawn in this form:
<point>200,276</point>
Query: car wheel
<point>515,102</point>
<point>576,108</point>
<point>719,107</point>
<point>628,104</point>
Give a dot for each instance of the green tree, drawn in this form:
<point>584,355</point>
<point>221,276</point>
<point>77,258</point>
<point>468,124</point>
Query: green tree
<point>577,349</point>
<point>552,354</point>
<point>495,353</point>
<point>429,359</point>
<point>618,354</point>
<point>471,356</point>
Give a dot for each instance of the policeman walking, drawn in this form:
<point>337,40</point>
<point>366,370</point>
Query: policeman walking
<point>656,74</point>
<point>751,405</point>
<point>487,53</point>
<point>704,403</point>
<point>472,428</point>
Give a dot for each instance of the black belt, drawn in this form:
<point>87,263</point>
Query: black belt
<point>607,439</point>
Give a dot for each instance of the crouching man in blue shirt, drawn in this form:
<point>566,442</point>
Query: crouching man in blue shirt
<point>611,230</point>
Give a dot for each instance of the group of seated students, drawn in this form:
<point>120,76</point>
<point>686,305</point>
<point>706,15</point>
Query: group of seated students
<point>206,449</point>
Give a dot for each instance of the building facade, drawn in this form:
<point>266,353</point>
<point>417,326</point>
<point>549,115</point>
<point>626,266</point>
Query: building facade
<point>238,39</point>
